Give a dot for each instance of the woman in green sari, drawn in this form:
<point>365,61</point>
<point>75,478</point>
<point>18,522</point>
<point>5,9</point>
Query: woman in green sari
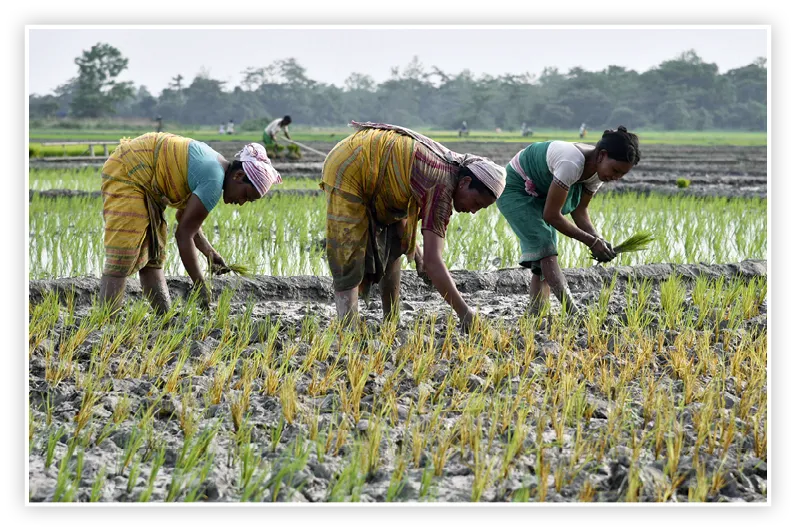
<point>548,180</point>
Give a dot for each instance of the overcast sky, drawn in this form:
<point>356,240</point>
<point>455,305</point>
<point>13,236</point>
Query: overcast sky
<point>330,54</point>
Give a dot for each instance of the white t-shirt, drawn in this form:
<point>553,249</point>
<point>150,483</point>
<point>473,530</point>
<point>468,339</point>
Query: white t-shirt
<point>273,128</point>
<point>566,162</point>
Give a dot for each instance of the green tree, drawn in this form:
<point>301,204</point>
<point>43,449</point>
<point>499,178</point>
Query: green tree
<point>96,90</point>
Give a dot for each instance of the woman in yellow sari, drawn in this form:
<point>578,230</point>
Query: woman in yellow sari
<point>145,175</point>
<point>379,183</point>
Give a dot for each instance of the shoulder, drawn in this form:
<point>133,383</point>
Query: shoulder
<point>565,151</point>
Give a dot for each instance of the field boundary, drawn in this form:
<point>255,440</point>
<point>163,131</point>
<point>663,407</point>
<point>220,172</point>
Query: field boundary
<point>309,288</point>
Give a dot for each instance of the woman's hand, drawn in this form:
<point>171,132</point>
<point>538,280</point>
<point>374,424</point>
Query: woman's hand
<point>602,251</point>
<point>467,321</point>
<point>217,264</point>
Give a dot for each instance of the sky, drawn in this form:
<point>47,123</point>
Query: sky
<point>331,54</point>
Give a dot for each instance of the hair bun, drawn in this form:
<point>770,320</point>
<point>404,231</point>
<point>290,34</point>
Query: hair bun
<point>622,128</point>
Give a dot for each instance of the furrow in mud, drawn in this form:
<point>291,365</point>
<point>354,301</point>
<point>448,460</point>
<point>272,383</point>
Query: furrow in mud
<point>515,281</point>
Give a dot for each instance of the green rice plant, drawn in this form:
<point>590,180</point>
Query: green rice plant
<point>427,490</point>
<point>673,294</point>
<point>252,470</point>
<point>97,485</point>
<point>635,243</point>
<point>52,441</point>
<point>192,463</point>
<point>347,484</point>
<point>134,443</point>
<point>132,478</point>
<point>91,397</point>
<point>47,402</point>
<point>636,309</point>
<point>398,479</point>
<point>63,492</point>
<point>160,458</point>
<point>288,398</point>
<point>542,472</point>
<point>281,234</point>
<point>587,492</point>
<point>683,183</point>
<point>223,309</point>
<point>43,317</point>
<point>482,476</point>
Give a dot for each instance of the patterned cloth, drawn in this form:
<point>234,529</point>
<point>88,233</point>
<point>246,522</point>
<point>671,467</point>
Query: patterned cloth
<point>379,183</point>
<point>139,180</point>
<point>489,173</point>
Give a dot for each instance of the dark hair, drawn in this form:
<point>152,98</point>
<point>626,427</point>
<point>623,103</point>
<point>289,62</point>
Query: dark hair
<point>475,182</point>
<point>620,145</point>
<point>236,165</point>
<point>287,119</point>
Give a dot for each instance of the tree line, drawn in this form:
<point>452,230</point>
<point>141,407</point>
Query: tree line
<point>683,93</point>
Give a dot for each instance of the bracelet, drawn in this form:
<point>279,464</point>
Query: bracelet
<point>596,239</point>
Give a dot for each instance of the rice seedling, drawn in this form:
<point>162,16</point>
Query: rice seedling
<point>52,441</point>
<point>195,453</point>
<point>525,390</point>
<point>397,479</point>
<point>66,234</point>
<point>97,485</point>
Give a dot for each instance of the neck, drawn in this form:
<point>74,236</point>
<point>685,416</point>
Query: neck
<point>225,164</point>
<point>590,164</point>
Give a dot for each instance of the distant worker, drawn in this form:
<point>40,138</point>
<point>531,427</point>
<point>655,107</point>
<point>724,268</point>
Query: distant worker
<point>273,128</point>
<point>526,131</point>
<point>231,127</point>
<point>221,129</point>
<point>463,131</point>
<point>159,121</point>
<point>582,131</point>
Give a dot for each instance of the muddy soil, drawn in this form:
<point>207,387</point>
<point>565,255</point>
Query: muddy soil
<point>501,294</point>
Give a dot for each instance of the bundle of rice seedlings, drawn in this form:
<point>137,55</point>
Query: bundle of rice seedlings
<point>637,242</point>
<point>240,269</point>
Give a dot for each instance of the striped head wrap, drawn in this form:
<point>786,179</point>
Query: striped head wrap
<point>258,167</point>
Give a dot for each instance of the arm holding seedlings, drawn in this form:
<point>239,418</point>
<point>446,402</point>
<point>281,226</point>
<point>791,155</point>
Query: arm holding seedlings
<point>556,196</point>
<point>203,245</point>
<point>188,226</point>
<point>437,271</point>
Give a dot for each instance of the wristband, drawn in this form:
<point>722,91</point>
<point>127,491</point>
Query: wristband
<point>596,239</point>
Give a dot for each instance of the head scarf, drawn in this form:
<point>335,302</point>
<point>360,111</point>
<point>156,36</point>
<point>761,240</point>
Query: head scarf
<point>489,173</point>
<point>258,167</point>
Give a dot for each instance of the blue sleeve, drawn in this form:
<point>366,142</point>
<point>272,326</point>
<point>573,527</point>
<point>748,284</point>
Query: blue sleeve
<point>205,174</point>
